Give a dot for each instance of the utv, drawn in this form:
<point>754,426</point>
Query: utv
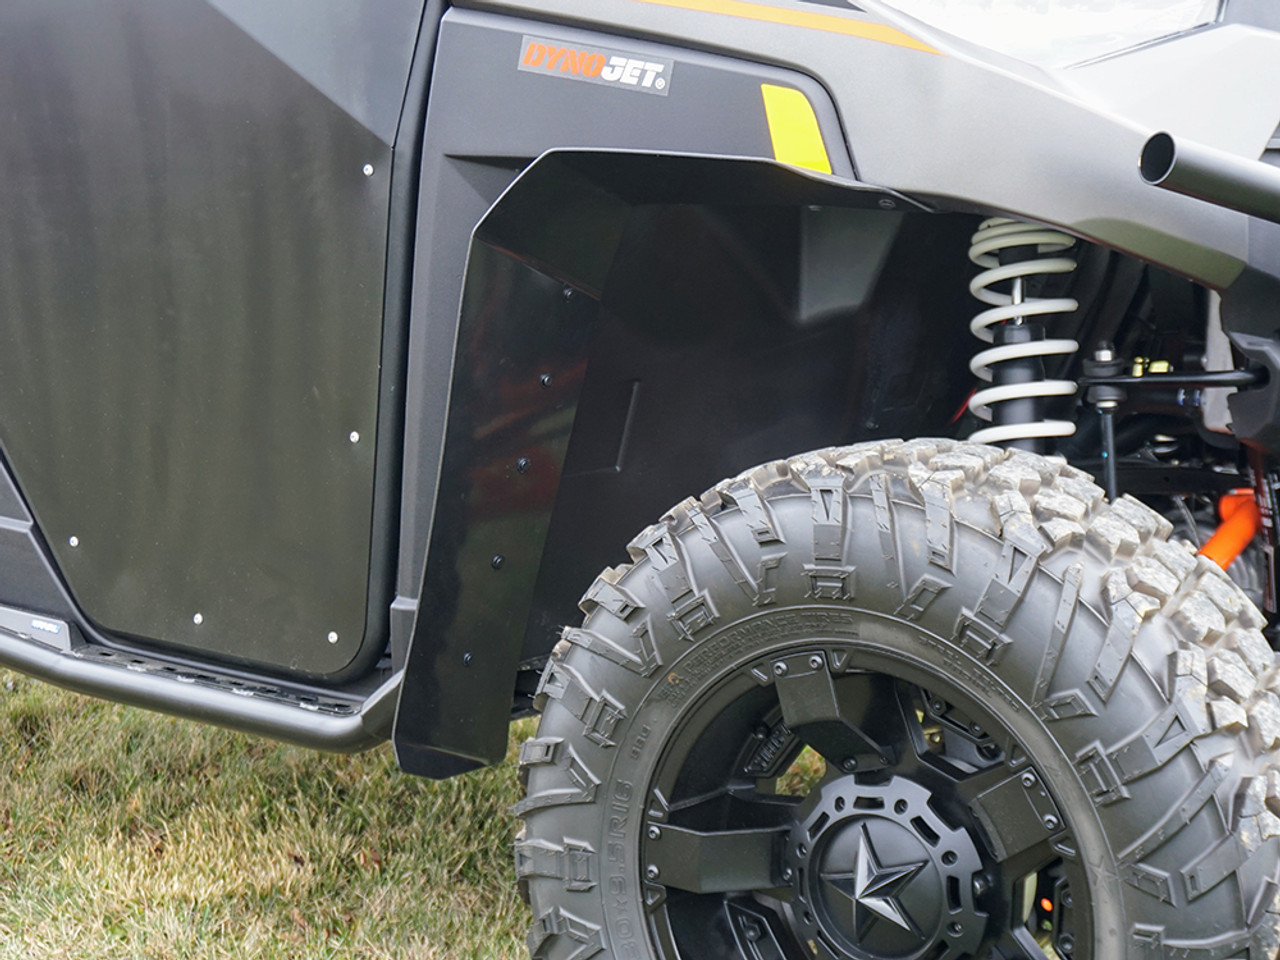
<point>346,341</point>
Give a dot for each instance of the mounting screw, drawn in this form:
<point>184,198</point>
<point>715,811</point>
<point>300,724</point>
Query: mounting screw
<point>787,873</point>
<point>333,636</point>
<point>1050,821</point>
<point>651,872</point>
<point>975,729</point>
<point>989,751</point>
<point>1028,779</point>
<point>523,465</point>
<point>468,658</point>
<point>567,293</point>
<point>954,929</point>
<point>752,931</point>
<point>497,561</point>
<point>1066,944</point>
<point>74,541</point>
<point>816,662</point>
<point>198,619</point>
<point>886,204</point>
<point>761,732</point>
<point>980,885</point>
<point>780,668</point>
<point>354,437</point>
<point>1066,899</point>
<point>655,832</point>
<point>849,765</point>
<point>368,169</point>
<point>937,706</point>
<point>545,380</point>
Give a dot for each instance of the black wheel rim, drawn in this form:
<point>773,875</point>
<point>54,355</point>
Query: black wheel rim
<point>931,835</point>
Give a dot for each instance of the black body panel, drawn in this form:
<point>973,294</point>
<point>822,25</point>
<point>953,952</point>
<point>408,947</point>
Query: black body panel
<point>566,436</point>
<point>713,105</point>
<point>193,312</point>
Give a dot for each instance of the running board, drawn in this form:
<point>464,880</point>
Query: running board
<point>52,650</point>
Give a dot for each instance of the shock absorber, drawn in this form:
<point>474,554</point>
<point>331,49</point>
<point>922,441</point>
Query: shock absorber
<point>1011,252</point>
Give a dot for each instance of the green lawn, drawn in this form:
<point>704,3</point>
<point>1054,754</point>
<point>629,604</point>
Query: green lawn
<point>128,834</point>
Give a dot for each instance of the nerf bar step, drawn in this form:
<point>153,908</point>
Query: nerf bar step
<point>52,650</point>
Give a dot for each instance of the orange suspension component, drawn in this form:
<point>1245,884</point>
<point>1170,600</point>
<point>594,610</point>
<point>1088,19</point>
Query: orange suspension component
<point>1241,520</point>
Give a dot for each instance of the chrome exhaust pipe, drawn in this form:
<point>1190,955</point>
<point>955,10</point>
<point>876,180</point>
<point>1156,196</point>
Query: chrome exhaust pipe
<point>1215,176</point>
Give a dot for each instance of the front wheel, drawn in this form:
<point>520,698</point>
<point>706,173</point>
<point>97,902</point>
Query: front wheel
<point>913,700</point>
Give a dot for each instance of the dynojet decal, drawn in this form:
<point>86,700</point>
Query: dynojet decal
<point>611,68</point>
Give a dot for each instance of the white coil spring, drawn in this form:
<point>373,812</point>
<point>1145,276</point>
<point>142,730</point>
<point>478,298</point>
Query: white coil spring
<point>994,235</point>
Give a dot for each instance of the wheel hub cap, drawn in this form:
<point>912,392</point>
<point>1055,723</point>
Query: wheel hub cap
<point>879,875</point>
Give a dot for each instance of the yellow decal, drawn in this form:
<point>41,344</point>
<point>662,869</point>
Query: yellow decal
<point>828,23</point>
<point>793,127</point>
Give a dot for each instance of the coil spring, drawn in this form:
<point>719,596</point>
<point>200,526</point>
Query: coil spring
<point>993,236</point>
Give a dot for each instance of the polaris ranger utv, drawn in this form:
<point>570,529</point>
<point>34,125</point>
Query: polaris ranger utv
<point>344,342</point>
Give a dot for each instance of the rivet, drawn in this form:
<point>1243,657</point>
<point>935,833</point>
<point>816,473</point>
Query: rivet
<point>886,203</point>
<point>1050,821</point>
<point>1028,779</point>
<point>523,464</point>
<point>368,169</point>
<point>354,437</point>
<point>850,765</point>
<point>1066,943</point>
<point>497,561</point>
<point>655,833</point>
<point>780,669</point>
<point>954,929</point>
<point>198,619</point>
<point>545,380</point>
<point>816,662</point>
<point>74,541</point>
<point>651,872</point>
<point>975,729</point>
<point>567,293</point>
<point>333,636</point>
<point>787,873</point>
<point>468,658</point>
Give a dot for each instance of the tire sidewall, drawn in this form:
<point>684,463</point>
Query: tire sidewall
<point>873,641</point>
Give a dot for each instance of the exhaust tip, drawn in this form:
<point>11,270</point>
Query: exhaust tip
<point>1158,156</point>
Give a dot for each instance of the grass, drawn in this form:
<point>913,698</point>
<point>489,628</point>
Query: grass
<point>128,834</point>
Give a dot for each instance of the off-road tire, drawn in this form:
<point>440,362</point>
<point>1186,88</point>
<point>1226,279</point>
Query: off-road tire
<point>1128,676</point>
